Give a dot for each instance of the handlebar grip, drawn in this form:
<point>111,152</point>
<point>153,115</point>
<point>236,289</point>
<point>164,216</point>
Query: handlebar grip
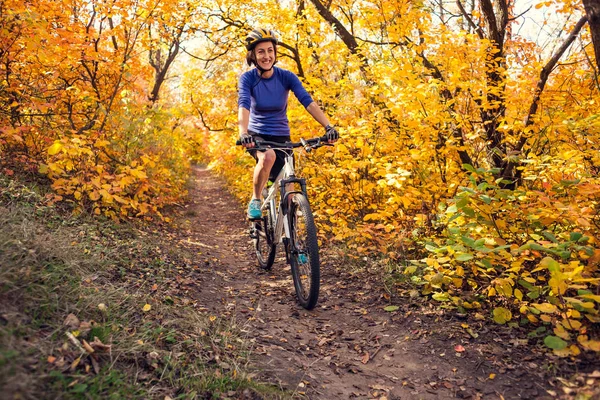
<point>238,142</point>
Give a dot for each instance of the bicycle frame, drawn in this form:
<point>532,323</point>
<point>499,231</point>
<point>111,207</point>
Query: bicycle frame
<point>286,177</point>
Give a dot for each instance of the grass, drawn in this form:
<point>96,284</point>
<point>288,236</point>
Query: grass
<point>94,280</point>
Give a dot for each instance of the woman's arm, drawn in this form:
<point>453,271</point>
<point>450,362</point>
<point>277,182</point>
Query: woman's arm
<point>243,120</point>
<point>318,114</point>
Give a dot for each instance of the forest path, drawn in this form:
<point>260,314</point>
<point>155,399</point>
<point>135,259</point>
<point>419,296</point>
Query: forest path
<point>348,346</point>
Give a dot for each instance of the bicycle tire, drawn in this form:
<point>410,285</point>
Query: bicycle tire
<point>264,243</point>
<point>303,252</point>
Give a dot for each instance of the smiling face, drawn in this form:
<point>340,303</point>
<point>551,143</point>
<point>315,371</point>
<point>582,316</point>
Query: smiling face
<point>265,55</point>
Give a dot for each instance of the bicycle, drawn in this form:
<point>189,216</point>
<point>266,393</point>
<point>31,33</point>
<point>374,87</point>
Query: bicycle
<point>288,219</point>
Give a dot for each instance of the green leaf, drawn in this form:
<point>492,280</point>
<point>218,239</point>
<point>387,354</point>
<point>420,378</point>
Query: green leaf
<point>534,310</point>
<point>575,236</point>
<point>454,216</point>
<point>464,257</point>
<point>569,182</point>
<point>499,248</point>
<point>554,342</point>
<point>550,263</point>
<point>483,186</point>
<point>536,246</point>
<point>462,202</point>
<point>539,331</point>
<point>550,236</point>
<point>468,241</point>
<point>468,167</point>
<point>391,308</point>
<point>479,242</point>
<point>502,315</point>
<point>503,181</point>
<point>486,199</point>
<point>431,248</point>
<point>583,239</point>
<point>565,255</point>
<point>525,284</point>
<point>469,212</point>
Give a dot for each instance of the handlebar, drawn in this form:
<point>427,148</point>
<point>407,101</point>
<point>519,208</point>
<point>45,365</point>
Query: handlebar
<point>308,144</point>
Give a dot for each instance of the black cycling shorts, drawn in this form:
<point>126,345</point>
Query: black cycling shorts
<point>279,155</point>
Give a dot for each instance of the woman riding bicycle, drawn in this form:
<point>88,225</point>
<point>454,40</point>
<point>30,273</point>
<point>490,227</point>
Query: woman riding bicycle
<point>262,102</point>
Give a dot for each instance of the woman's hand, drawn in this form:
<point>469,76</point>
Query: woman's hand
<point>247,140</point>
<point>331,133</point>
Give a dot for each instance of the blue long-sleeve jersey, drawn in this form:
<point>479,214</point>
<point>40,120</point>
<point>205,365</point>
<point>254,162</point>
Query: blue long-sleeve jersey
<point>267,100</point>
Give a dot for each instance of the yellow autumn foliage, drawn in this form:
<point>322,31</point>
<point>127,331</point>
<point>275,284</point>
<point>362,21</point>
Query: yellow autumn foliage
<point>462,164</point>
<point>436,129</point>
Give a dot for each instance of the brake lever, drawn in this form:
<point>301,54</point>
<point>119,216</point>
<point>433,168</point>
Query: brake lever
<point>306,145</point>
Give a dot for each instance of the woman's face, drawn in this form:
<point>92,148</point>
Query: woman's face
<point>265,55</point>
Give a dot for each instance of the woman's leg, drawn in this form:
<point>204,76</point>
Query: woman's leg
<point>265,161</point>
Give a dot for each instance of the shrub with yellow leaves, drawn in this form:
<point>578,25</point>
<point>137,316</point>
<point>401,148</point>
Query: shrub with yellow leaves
<point>528,253</point>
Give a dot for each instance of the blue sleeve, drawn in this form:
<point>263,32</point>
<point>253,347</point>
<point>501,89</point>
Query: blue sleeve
<point>244,88</point>
<point>296,87</point>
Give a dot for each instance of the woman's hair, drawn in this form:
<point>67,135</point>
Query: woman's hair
<point>250,58</point>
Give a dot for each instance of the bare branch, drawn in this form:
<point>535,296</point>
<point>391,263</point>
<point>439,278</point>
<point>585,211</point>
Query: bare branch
<point>201,115</point>
<point>295,56</point>
<point>339,28</point>
<point>545,73</point>
<point>470,20</point>
<point>520,15</point>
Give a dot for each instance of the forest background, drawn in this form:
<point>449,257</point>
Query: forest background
<point>469,157</point>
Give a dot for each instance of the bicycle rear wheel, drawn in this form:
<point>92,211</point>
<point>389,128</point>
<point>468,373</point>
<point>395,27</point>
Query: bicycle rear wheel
<point>303,251</point>
<point>263,237</point>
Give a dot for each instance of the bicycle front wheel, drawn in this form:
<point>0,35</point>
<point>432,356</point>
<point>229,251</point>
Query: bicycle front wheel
<point>264,240</point>
<point>303,251</point>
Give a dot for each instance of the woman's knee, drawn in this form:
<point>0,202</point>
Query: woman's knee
<point>267,158</point>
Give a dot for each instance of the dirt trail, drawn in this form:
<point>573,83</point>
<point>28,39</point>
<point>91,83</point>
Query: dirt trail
<point>348,347</point>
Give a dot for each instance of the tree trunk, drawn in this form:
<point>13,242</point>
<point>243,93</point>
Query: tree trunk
<point>592,10</point>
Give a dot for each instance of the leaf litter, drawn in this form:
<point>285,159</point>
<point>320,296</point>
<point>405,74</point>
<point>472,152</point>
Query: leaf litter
<point>356,337</point>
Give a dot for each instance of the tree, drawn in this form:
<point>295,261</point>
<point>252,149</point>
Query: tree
<point>592,10</point>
